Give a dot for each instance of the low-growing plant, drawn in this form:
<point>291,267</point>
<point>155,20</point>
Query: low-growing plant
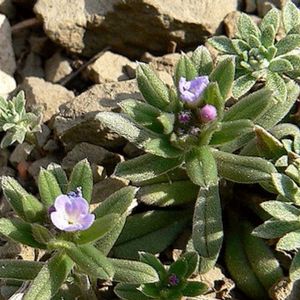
<point>76,241</point>
<point>258,54</point>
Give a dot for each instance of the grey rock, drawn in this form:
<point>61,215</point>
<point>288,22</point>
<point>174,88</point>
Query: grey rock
<point>35,167</point>
<point>95,154</point>
<point>76,121</point>
<point>57,67</point>
<point>7,84</point>
<point>131,27</point>
<point>109,67</point>
<point>20,153</point>
<point>7,8</point>
<point>33,66</point>
<point>45,95</point>
<point>7,57</point>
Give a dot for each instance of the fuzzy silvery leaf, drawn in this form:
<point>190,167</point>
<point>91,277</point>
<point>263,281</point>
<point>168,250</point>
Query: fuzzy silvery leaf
<point>19,269</point>
<point>268,36</point>
<point>276,84</point>
<point>261,258</point>
<point>146,166</point>
<point>281,210</point>
<point>133,272</point>
<point>168,194</point>
<point>152,232</point>
<point>167,121</point>
<point>152,88</point>
<point>294,59</point>
<point>194,288</point>
<point>294,173</point>
<point>60,176</point>
<point>287,44</point>
<point>202,61</point>
<point>295,267</point>
<point>223,74</point>
<point>179,268</point>
<point>289,242</point>
<point>242,85</point>
<point>192,259</point>
<point>254,42</point>
<point>272,18</point>
<point>185,68</point>
<point>223,44</point>
<point>24,204</point>
<point>280,65</point>
<point>286,187</point>
<point>48,281</point>
<point>41,234</point>
<point>239,266</point>
<point>247,27</point>
<point>48,187</point>
<point>129,292</point>
<point>231,130</point>
<point>290,16</point>
<point>155,263</point>
<point>251,106</point>
<point>82,177</point>
<point>207,232</point>
<point>273,228</point>
<point>243,169</point>
<point>240,46</point>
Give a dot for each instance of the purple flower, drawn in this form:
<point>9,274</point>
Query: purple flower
<point>173,280</point>
<point>71,212</point>
<point>208,113</point>
<point>191,91</point>
<point>184,117</point>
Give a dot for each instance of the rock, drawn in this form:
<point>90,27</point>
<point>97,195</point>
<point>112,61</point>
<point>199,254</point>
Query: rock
<point>75,122</point>
<point>35,167</point>
<point>7,57</point>
<point>250,6</point>
<point>106,187</point>
<point>20,153</point>
<point>7,84</point>
<point>264,6</point>
<point>46,95</point>
<point>131,150</point>
<point>7,8</point>
<point>99,172</point>
<point>57,67</point>
<point>32,66</point>
<point>131,27</point>
<point>109,67</point>
<point>95,154</point>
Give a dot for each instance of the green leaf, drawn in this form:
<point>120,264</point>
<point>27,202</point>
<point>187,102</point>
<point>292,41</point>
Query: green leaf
<point>50,278</point>
<point>151,290</point>
<point>19,231</point>
<point>280,65</point>
<point>268,36</point>
<point>223,74</point>
<point>246,27</point>
<point>151,232</point>
<point>99,228</point>
<point>240,46</point>
<point>179,268</point>
<point>154,262</point>
<point>194,288</point>
<point>294,59</point>
<point>231,130</point>
<point>202,60</point>
<point>185,68</point>
<point>212,96</point>
<point>201,166</point>
<point>273,228</point>
<point>295,267</point>
<point>41,234</point>
<point>152,88</point>
<point>120,202</point>
<point>82,177</point>
<point>272,18</point>
<point>91,261</point>
<point>60,176</point>
<point>207,225</point>
<point>290,16</point>
<point>48,187</point>
<point>251,106</point>
<point>168,193</point>
<point>287,44</point>
<point>134,272</point>
<point>261,258</point>
<point>223,44</point>
<point>275,83</point>
<point>242,85</point>
<point>129,292</point>
<point>291,241</point>
<point>19,269</point>
<point>192,260</point>
<point>243,169</point>
<point>286,187</point>
<point>143,113</point>
<point>146,166</point>
<point>24,204</point>
<point>281,210</point>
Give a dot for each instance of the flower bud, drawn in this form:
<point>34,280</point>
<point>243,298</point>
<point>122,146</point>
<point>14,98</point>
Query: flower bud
<point>208,113</point>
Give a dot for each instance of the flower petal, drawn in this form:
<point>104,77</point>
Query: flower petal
<point>60,202</point>
<point>87,221</point>
<point>59,220</point>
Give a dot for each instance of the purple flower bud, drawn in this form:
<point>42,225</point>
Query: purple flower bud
<point>71,212</point>
<point>173,280</point>
<point>208,113</point>
<point>191,91</point>
<point>184,117</point>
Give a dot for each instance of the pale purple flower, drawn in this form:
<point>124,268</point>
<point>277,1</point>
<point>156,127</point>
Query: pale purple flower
<point>71,212</point>
<point>184,117</point>
<point>208,113</point>
<point>191,91</point>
